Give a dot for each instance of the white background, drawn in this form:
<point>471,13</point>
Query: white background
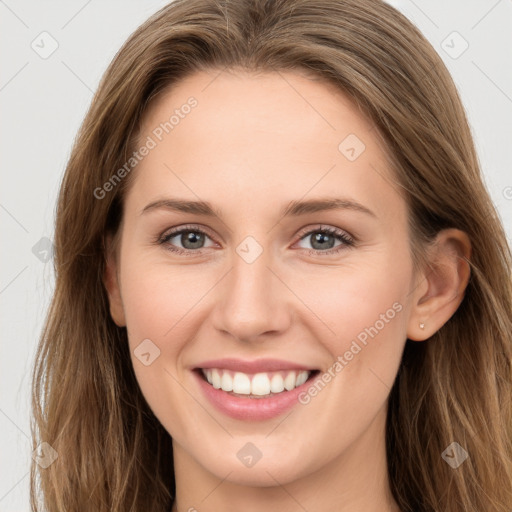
<point>43,102</point>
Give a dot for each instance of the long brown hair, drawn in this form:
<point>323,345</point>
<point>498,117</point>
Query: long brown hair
<point>113,454</point>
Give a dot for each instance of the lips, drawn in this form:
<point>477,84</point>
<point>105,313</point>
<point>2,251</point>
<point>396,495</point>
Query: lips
<point>253,390</point>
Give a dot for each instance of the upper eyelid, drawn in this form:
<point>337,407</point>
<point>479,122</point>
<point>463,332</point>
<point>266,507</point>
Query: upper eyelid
<point>191,227</point>
<point>323,227</point>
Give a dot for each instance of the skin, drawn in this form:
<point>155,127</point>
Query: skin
<point>251,145</point>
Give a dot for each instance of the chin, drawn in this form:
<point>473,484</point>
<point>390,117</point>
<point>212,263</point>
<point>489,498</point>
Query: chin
<point>269,470</point>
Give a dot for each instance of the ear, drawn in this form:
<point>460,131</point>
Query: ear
<point>111,282</point>
<point>441,286</point>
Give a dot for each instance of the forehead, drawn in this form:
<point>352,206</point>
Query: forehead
<point>243,99</point>
<point>266,135</point>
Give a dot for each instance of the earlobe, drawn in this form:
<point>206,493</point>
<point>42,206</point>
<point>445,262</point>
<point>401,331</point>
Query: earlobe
<point>111,282</point>
<point>443,284</point>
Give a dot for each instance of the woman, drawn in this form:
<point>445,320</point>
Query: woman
<point>197,355</point>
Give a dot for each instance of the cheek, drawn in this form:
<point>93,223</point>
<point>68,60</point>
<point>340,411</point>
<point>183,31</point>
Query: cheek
<point>365,313</point>
<point>158,299</point>
<point>159,310</point>
<point>162,304</point>
<point>358,313</point>
<point>345,303</point>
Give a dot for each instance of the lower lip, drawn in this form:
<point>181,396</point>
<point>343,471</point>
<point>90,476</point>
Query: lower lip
<point>251,409</point>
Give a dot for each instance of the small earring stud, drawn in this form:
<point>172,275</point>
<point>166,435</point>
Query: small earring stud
<point>422,325</point>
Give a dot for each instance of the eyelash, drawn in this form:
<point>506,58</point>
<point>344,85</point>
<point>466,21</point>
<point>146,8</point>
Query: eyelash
<point>348,241</point>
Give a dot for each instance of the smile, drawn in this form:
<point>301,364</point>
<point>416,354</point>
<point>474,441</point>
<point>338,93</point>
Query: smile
<point>253,394</point>
<point>264,384</point>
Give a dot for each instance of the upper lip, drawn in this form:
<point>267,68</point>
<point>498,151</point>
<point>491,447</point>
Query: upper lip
<point>256,366</point>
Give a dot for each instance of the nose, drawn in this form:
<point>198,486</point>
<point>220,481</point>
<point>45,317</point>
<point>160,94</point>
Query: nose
<point>253,303</point>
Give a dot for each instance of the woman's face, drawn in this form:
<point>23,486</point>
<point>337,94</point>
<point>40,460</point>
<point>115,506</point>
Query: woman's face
<point>260,284</point>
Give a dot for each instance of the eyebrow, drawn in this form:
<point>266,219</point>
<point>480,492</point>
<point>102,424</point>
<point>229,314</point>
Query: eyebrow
<point>293,209</point>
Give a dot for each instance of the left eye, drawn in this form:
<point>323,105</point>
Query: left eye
<point>323,239</point>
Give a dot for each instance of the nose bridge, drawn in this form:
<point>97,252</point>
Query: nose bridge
<point>251,303</point>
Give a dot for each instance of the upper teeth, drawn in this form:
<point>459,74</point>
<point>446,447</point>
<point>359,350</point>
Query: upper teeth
<point>257,384</point>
